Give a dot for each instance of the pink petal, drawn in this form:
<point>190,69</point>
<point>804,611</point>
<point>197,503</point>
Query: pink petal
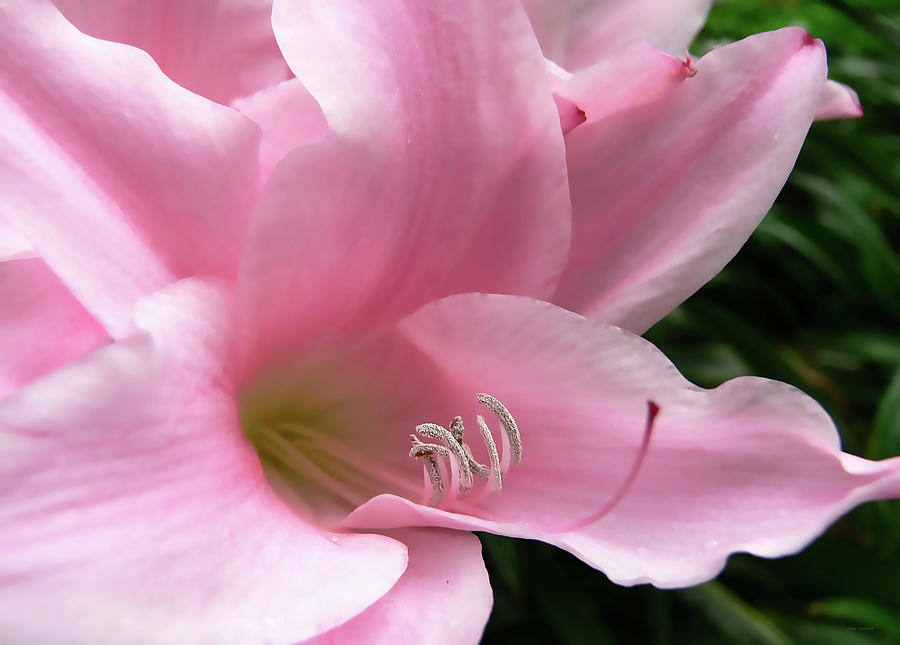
<point>289,117</point>
<point>220,49</point>
<point>12,245</point>
<point>122,180</point>
<point>41,325</point>
<point>664,195</point>
<point>443,597</point>
<point>839,102</point>
<point>753,465</point>
<point>638,75</point>
<point>445,173</point>
<point>134,510</point>
<point>576,33</point>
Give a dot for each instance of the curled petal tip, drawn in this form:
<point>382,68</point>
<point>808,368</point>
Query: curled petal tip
<point>687,66</point>
<point>839,102</point>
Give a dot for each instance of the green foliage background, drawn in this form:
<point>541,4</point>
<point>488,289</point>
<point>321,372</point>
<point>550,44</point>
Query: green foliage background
<point>813,299</point>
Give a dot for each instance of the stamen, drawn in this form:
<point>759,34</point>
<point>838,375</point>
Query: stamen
<point>434,431</point>
<point>479,469</point>
<point>505,461</point>
<point>433,472</point>
<point>652,412</point>
<point>458,456</point>
<point>421,449</point>
<point>428,451</point>
<point>457,429</point>
<point>451,469</point>
<point>508,423</point>
<point>496,477</point>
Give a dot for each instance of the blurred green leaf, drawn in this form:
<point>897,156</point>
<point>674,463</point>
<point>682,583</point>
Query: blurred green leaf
<point>733,616</point>
<point>861,615</point>
<point>505,560</point>
<point>816,633</point>
<point>885,440</point>
<point>789,235</point>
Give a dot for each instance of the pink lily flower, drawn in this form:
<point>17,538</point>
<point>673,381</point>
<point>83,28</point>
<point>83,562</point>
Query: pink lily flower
<point>231,294</point>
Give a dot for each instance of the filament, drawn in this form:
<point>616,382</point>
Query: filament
<point>364,468</point>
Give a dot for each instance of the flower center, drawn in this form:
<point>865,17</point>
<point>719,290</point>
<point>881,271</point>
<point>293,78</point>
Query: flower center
<point>323,473</point>
<point>319,434</point>
<point>330,436</point>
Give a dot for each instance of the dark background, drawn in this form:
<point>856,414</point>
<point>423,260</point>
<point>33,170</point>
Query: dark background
<point>813,299</point>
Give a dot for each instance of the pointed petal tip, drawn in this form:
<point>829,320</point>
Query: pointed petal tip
<point>810,42</point>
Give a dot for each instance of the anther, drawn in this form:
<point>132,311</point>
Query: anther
<point>421,449</point>
<point>496,478</point>
<point>456,429</point>
<point>434,431</point>
<point>458,456</point>
<point>507,422</point>
<point>429,452</point>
